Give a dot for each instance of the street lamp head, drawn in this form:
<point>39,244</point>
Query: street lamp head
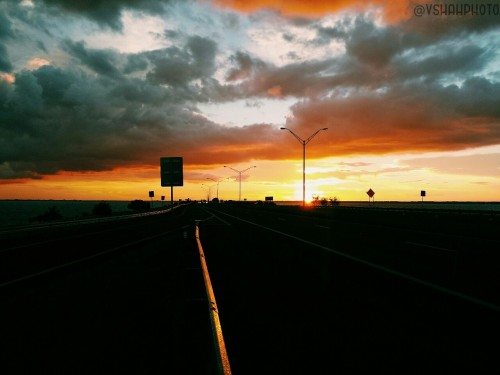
<point>304,142</point>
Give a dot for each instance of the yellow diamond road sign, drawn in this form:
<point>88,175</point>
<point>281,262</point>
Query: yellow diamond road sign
<point>370,193</point>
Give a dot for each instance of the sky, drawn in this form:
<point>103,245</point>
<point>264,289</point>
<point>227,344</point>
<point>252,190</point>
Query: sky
<point>93,94</point>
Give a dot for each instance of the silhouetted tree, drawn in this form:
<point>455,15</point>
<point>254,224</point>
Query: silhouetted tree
<point>316,200</point>
<point>325,202</point>
<point>334,202</point>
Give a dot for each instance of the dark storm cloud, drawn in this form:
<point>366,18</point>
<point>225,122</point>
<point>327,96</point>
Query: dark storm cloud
<point>245,66</point>
<point>325,35</point>
<point>254,77</point>
<point>5,64</point>
<point>375,57</point>
<point>177,67</point>
<point>396,88</point>
<point>56,119</point>
<point>406,118</point>
<point>372,45</point>
<point>288,37</point>
<point>103,62</point>
<point>136,63</point>
<point>5,27</point>
<point>5,33</point>
<point>477,97</point>
<point>59,120</point>
<point>388,92</point>
<point>451,59</point>
<point>408,50</point>
<point>106,12</point>
<point>41,46</point>
<point>433,27</point>
<point>299,79</point>
<point>27,17</point>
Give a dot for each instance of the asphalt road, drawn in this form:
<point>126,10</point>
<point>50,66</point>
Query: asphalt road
<point>112,297</point>
<point>298,292</point>
<point>338,292</point>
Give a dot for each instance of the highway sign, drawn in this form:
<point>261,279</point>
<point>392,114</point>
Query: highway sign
<point>370,193</point>
<point>171,171</point>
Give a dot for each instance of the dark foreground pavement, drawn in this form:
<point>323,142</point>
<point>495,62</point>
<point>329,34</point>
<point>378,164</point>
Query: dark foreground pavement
<point>140,310</point>
<point>286,306</point>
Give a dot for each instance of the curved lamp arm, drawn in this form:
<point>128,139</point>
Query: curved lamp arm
<point>306,141</point>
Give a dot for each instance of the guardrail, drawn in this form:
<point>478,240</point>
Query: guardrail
<point>222,357</point>
<point>70,222</point>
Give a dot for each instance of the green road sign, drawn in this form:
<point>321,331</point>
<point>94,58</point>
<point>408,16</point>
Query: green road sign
<point>171,171</point>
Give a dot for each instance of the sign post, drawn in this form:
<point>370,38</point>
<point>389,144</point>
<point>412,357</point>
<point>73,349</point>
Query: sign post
<point>151,195</point>
<point>422,194</point>
<point>370,193</point>
<point>171,173</point>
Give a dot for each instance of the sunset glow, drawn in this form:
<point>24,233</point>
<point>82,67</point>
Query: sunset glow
<point>90,101</point>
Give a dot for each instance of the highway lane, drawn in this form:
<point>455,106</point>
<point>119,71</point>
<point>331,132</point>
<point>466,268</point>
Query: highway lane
<point>122,296</point>
<point>33,249</point>
<point>466,261</point>
<point>289,304</point>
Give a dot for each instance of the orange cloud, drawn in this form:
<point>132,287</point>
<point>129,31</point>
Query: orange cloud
<point>275,91</point>
<point>381,125</point>
<point>7,77</point>
<point>37,62</point>
<point>393,10</point>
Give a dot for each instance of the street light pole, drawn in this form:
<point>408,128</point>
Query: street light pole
<point>209,191</point>
<point>208,178</point>
<point>304,142</point>
<point>240,172</point>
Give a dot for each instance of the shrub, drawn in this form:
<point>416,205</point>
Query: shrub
<point>51,214</point>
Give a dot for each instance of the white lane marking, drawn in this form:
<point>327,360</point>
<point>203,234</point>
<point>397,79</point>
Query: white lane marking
<point>430,246</point>
<point>321,226</point>
<point>379,267</point>
<point>213,216</point>
<point>80,260</point>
